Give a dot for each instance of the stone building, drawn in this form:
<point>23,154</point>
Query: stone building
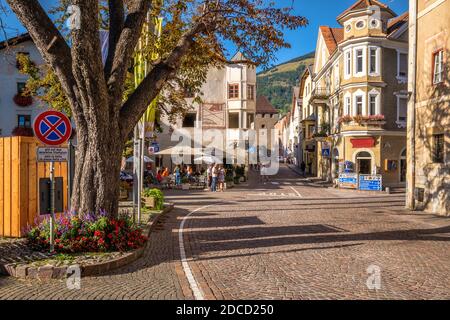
<point>429,107</point>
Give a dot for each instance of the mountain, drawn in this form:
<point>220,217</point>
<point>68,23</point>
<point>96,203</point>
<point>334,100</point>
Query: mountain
<point>276,83</point>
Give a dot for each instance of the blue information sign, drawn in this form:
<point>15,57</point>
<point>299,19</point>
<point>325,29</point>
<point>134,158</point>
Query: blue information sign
<point>348,180</point>
<point>326,153</point>
<point>370,182</point>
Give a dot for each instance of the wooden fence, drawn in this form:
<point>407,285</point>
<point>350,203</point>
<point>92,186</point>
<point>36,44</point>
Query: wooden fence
<point>19,184</point>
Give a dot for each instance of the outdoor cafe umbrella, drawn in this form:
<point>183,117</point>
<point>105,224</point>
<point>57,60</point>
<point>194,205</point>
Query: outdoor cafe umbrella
<point>146,159</point>
<point>208,159</point>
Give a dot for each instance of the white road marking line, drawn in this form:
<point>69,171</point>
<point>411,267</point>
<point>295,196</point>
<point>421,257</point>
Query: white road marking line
<point>275,183</point>
<point>198,294</point>
<point>298,193</point>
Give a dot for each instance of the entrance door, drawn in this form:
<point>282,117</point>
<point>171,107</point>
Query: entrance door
<point>403,166</point>
<point>364,162</point>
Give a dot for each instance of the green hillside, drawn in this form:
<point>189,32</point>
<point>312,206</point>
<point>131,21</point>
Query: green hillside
<point>276,83</point>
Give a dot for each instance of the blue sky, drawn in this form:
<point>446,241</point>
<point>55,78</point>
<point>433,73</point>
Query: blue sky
<point>303,40</point>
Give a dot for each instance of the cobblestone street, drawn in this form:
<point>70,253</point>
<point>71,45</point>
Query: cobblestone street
<point>285,239</point>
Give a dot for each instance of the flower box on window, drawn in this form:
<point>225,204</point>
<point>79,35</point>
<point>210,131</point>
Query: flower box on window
<point>22,132</point>
<point>23,101</point>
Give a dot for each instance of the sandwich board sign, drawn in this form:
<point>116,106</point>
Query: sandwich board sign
<point>348,180</point>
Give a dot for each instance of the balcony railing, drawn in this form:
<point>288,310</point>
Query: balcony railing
<point>320,93</point>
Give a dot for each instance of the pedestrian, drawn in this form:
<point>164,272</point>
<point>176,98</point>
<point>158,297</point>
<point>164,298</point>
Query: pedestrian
<point>263,173</point>
<point>214,175</point>
<point>177,173</point>
<point>303,168</point>
<point>209,175</point>
<point>221,178</point>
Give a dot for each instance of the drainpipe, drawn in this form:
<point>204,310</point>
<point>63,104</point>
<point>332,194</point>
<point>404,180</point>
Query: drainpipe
<point>411,127</point>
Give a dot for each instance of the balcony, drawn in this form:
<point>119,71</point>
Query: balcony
<point>362,123</point>
<point>320,93</point>
<point>22,100</point>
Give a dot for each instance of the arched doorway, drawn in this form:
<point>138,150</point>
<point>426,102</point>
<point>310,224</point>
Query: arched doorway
<point>364,162</point>
<point>403,166</point>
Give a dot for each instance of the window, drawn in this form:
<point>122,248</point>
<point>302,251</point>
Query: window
<point>359,61</point>
<point>250,119</point>
<point>18,64</point>
<point>359,105</point>
<point>250,92</point>
<point>374,23</point>
<point>347,106</point>
<point>21,87</point>
<point>402,109</point>
<point>311,130</point>
<point>189,120</point>
<point>402,65</point>
<point>372,104</point>
<point>348,57</point>
<point>24,121</point>
<point>373,60</point>
<point>438,148</point>
<point>233,91</point>
<point>438,67</point>
<point>233,120</point>
<point>336,75</point>
<point>360,24</point>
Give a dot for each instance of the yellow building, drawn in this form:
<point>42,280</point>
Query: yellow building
<point>429,107</point>
<point>359,93</point>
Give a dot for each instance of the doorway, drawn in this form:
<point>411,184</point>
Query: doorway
<point>403,166</point>
<point>364,162</point>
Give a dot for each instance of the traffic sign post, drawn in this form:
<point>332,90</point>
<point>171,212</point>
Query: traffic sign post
<point>52,128</point>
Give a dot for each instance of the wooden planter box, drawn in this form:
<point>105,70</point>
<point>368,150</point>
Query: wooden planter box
<point>149,202</point>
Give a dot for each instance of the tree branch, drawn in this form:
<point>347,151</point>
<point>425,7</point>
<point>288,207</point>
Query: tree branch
<point>133,109</point>
<point>116,23</point>
<point>126,44</point>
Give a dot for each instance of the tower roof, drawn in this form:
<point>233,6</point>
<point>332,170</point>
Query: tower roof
<point>361,5</point>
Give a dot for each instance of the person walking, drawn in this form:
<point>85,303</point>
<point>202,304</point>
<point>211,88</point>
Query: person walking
<point>303,168</point>
<point>221,178</point>
<point>214,174</point>
<point>177,173</point>
<point>209,175</point>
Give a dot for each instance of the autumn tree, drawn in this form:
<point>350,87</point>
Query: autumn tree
<point>194,38</point>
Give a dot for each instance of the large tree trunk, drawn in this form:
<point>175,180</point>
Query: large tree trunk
<point>97,169</point>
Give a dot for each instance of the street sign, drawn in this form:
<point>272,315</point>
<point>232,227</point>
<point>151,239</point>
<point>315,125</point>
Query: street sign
<point>348,180</point>
<point>52,128</point>
<point>326,153</point>
<point>154,148</point>
<point>368,182</point>
<point>46,154</point>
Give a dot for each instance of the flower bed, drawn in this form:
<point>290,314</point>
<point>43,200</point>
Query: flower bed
<point>362,119</point>
<point>87,233</point>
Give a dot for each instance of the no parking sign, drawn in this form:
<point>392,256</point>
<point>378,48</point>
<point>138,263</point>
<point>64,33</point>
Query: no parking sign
<point>52,128</point>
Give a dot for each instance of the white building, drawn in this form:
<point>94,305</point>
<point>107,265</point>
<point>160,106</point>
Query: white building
<point>228,102</point>
<point>15,111</point>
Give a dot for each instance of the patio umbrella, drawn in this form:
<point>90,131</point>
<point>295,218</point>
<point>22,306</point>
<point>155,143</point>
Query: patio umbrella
<point>208,159</point>
<point>146,159</point>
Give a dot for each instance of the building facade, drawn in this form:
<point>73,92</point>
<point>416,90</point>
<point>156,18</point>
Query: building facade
<point>17,112</point>
<point>228,107</point>
<point>429,107</point>
<point>359,94</point>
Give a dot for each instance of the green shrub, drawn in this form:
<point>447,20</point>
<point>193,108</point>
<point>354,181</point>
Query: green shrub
<point>157,195</point>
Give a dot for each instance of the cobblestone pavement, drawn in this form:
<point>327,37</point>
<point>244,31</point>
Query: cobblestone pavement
<point>285,239</point>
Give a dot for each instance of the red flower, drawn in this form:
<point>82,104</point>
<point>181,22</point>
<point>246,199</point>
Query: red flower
<point>97,234</point>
